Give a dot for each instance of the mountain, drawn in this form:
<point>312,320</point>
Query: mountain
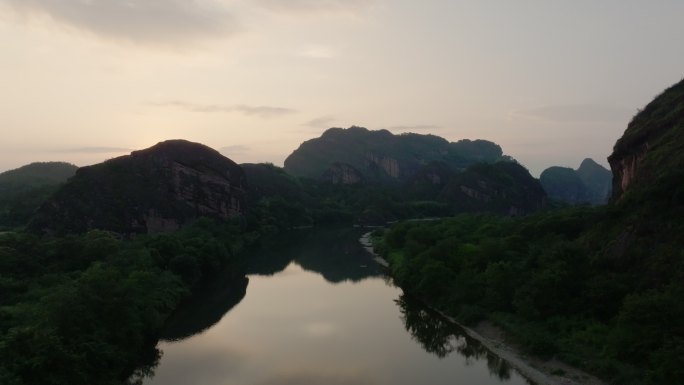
<point>24,189</point>
<point>357,154</point>
<point>505,188</point>
<point>590,183</point>
<point>37,174</point>
<point>563,184</point>
<point>597,179</point>
<point>151,190</point>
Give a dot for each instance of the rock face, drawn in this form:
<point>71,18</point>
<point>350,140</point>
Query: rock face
<point>650,151</point>
<point>342,173</point>
<point>380,156</point>
<point>152,190</point>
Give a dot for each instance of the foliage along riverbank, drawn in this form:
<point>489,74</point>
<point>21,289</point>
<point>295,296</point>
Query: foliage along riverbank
<point>554,284</point>
<point>88,309</point>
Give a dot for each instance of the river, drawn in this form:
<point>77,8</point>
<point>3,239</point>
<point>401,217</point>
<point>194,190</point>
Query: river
<point>316,309</point>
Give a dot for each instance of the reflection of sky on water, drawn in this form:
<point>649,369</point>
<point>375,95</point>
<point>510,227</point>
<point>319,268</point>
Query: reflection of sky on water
<point>296,328</point>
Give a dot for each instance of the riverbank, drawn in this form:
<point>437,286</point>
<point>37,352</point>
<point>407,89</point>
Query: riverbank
<point>492,337</point>
<point>537,370</point>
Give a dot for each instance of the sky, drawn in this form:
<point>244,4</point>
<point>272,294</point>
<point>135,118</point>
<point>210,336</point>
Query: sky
<point>551,81</point>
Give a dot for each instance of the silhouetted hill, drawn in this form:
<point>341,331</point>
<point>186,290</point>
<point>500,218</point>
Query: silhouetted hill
<point>563,184</point>
<point>590,183</point>
<point>355,154</point>
<point>597,179</point>
<point>36,174</point>
<point>151,190</point>
<point>24,189</point>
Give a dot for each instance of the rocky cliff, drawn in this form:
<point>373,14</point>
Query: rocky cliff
<point>152,190</point>
<point>651,148</point>
<point>342,173</point>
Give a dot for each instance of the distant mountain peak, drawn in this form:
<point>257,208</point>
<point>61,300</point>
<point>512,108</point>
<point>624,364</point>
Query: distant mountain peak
<point>379,155</point>
<point>590,183</point>
<point>156,189</point>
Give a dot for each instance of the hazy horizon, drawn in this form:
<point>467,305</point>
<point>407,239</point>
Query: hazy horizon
<point>552,84</point>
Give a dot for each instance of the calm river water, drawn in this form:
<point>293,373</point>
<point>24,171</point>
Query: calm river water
<point>318,310</point>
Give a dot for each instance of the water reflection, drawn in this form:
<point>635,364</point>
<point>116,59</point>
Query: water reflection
<point>334,253</point>
<point>319,311</point>
<point>439,336</point>
<point>206,307</point>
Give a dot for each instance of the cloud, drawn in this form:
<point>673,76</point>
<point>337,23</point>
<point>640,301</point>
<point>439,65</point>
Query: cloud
<point>235,149</point>
<point>575,113</point>
<point>259,111</point>
<point>331,7</point>
<point>320,122</point>
<point>264,111</point>
<point>139,21</point>
<point>93,150</point>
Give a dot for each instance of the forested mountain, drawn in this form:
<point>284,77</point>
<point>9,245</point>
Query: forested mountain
<point>151,190</point>
<point>590,183</point>
<point>24,189</point>
<point>597,179</point>
<point>380,156</point>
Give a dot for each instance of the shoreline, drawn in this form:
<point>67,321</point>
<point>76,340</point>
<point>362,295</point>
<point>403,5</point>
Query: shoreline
<point>493,338</point>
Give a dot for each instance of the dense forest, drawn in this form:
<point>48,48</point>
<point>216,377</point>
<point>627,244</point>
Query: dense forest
<point>88,309</point>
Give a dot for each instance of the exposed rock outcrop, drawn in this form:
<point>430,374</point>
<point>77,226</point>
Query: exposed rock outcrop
<point>342,173</point>
<point>152,190</point>
<point>625,167</point>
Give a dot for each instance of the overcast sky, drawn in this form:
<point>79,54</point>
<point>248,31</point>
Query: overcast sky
<point>551,81</point>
